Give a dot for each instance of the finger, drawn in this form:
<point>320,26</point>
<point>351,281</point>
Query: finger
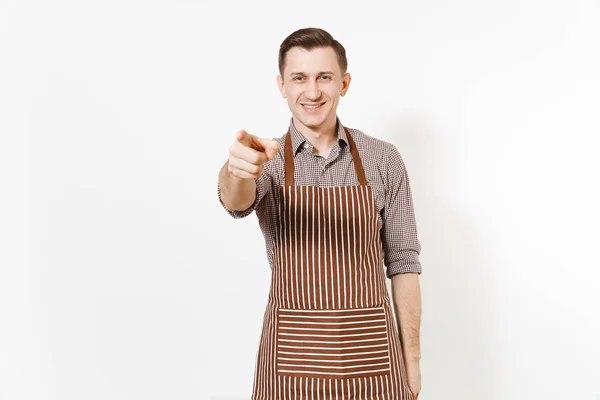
<point>242,174</point>
<point>243,137</point>
<point>248,154</point>
<point>244,169</point>
<point>249,140</point>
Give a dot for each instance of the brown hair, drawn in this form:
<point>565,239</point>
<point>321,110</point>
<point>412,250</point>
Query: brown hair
<point>310,38</point>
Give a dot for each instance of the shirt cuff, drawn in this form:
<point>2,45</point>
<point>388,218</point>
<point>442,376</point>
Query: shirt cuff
<point>237,214</point>
<point>404,266</point>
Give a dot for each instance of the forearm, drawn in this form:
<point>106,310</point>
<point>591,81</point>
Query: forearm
<point>236,193</point>
<point>406,295</point>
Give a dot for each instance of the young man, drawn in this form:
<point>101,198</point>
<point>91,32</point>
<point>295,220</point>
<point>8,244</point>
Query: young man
<point>334,206</point>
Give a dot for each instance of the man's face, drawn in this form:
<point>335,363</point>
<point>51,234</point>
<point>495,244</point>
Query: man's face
<point>312,83</point>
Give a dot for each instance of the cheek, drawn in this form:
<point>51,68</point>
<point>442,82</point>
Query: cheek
<point>333,94</point>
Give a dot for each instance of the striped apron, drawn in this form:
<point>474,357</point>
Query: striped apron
<point>328,330</point>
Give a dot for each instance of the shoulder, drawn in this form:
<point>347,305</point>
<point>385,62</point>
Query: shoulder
<point>375,151</point>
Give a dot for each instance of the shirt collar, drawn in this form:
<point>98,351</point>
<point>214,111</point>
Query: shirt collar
<point>298,139</point>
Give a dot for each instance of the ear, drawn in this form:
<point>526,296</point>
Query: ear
<point>345,83</point>
<point>280,86</point>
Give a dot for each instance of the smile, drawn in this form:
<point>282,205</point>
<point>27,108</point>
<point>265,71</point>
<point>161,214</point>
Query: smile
<point>312,108</point>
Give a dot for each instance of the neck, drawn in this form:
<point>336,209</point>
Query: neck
<point>322,137</point>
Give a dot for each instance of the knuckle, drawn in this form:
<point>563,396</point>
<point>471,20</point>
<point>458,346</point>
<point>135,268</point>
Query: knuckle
<point>255,159</point>
<point>255,169</point>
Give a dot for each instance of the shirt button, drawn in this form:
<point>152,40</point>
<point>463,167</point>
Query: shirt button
<point>305,145</point>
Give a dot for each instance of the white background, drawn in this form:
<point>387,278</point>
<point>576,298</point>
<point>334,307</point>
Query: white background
<point>122,277</point>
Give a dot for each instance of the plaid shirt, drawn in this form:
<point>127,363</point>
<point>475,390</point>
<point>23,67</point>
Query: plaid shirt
<point>385,173</point>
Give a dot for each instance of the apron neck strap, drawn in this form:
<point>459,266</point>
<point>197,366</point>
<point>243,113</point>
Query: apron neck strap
<point>289,160</point>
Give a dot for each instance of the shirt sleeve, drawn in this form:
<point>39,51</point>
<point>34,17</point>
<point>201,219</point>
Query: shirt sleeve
<point>263,185</point>
<point>399,231</point>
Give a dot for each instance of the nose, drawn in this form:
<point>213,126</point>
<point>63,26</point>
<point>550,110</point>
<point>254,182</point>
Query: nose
<point>313,92</point>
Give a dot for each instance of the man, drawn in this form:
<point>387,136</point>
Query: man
<point>334,205</point>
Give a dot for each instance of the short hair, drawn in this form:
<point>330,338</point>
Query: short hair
<point>310,38</point>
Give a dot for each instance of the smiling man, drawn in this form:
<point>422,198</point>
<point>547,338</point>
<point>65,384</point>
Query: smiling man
<point>335,209</point>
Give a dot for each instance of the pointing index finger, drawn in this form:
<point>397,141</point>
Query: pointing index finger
<point>249,140</point>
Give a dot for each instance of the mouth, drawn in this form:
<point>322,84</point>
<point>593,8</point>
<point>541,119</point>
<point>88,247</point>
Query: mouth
<point>310,108</point>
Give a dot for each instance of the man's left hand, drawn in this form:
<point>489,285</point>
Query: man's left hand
<point>413,372</point>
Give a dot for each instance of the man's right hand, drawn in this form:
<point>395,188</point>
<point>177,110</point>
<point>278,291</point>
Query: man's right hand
<point>248,154</point>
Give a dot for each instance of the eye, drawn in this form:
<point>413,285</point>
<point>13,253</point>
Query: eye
<point>297,77</point>
<point>326,77</point>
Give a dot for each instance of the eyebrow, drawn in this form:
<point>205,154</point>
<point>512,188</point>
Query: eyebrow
<point>320,73</point>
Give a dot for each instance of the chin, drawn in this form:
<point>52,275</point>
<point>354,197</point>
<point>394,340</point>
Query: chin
<point>313,122</point>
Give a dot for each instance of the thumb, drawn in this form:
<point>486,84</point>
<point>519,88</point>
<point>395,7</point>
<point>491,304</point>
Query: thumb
<point>270,146</point>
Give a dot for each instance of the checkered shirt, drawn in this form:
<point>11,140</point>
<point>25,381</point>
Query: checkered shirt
<point>385,172</point>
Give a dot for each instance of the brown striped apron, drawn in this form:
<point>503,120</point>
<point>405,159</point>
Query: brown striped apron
<point>328,330</point>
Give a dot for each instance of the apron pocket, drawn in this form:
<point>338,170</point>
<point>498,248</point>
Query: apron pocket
<point>338,344</point>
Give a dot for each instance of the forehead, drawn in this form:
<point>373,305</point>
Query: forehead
<point>300,60</point>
